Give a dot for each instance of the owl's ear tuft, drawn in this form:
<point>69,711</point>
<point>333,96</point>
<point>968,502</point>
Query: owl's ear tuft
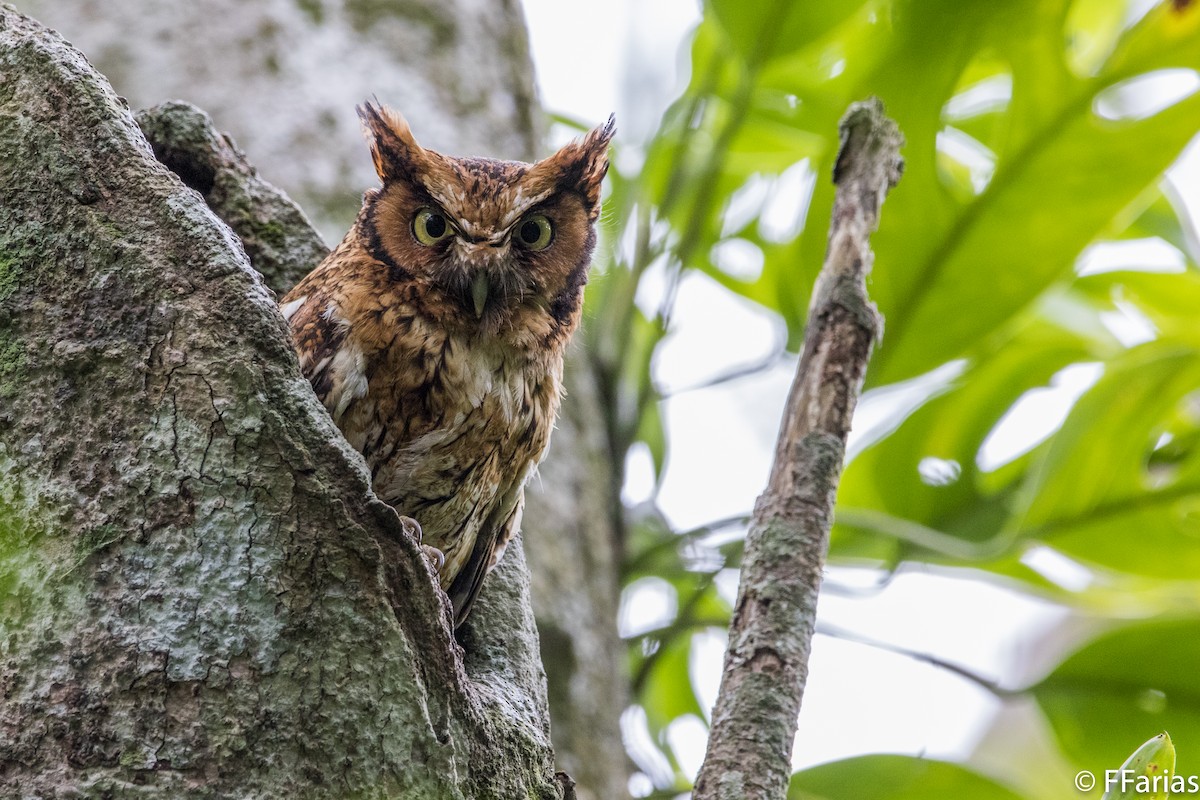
<point>583,163</point>
<point>394,149</point>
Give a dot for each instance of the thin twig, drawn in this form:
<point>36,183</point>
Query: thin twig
<point>987,684</point>
<point>671,541</point>
<point>770,638</point>
<point>757,367</point>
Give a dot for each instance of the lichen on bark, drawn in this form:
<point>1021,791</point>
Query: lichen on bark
<point>278,238</point>
<point>199,594</point>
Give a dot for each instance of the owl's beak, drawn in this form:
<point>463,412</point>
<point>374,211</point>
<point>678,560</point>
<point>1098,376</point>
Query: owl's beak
<point>479,292</point>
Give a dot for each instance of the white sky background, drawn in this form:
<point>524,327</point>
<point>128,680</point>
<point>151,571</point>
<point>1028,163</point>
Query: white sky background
<point>859,699</point>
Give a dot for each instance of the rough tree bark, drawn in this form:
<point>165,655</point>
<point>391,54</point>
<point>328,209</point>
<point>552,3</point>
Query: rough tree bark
<point>283,76</point>
<point>766,666</point>
<point>276,235</point>
<point>199,594</point>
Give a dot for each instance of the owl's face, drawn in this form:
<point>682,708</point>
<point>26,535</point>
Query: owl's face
<point>502,246</point>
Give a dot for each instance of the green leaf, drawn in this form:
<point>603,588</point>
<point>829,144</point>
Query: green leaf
<point>926,472</point>
<point>971,269</point>
<point>1147,773</point>
<point>762,31</point>
<point>651,431</point>
<point>1162,215</point>
<point>1094,484</point>
<point>667,692</point>
<point>1093,28</point>
<point>888,777</point>
<point>1169,301</point>
<point>1061,176</point>
<point>1138,678</point>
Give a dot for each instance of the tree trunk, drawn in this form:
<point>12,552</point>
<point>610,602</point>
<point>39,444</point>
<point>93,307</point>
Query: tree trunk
<point>282,76</point>
<point>199,594</point>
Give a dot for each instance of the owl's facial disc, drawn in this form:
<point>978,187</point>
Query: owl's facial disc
<point>482,267</point>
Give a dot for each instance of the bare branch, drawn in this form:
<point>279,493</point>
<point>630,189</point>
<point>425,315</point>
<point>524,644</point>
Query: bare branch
<point>766,666</point>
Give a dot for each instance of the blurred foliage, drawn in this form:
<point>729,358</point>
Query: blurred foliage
<point>892,778</point>
<point>1036,130</point>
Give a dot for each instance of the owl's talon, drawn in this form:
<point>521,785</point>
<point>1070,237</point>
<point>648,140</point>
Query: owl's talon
<point>412,528</point>
<point>435,556</point>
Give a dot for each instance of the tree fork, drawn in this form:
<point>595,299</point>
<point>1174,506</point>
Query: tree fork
<point>770,637</point>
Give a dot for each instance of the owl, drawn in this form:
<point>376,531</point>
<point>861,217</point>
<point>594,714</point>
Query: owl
<point>434,333</point>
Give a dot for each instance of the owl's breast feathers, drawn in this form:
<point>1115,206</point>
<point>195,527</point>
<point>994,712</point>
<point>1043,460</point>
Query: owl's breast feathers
<point>451,422</point>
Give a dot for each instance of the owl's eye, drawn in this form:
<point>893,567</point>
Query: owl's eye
<point>430,226</point>
<point>535,232</point>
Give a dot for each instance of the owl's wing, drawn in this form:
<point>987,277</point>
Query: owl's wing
<point>334,366</point>
<point>493,538</point>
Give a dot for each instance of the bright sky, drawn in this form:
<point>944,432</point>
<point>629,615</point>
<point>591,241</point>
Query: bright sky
<point>859,699</point>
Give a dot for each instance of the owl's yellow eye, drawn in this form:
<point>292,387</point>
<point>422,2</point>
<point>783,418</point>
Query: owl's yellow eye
<point>535,232</point>
<point>430,226</point>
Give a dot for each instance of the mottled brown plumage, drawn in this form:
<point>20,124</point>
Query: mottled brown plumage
<point>434,333</point>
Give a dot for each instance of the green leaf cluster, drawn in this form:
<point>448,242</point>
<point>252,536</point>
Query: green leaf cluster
<point>1038,134</point>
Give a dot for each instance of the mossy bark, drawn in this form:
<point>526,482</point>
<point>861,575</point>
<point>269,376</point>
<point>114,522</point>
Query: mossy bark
<point>278,238</point>
<point>199,594</point>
